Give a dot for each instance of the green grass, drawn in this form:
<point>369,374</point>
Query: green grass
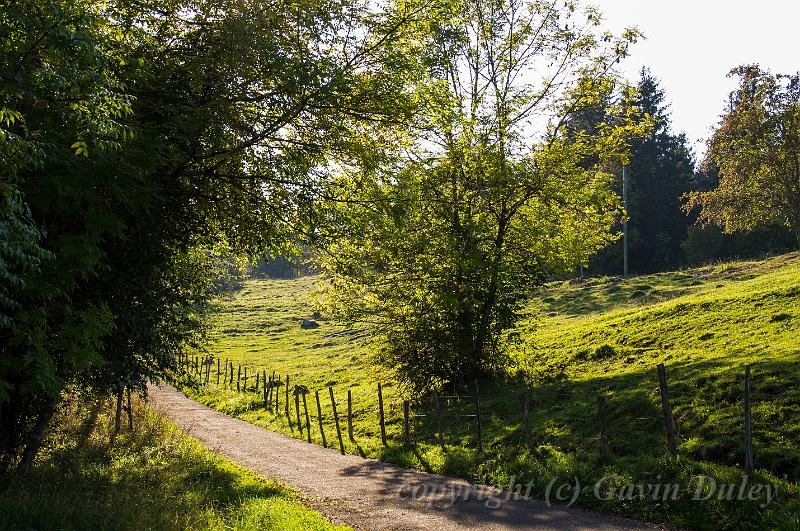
<point>155,478</point>
<point>583,338</point>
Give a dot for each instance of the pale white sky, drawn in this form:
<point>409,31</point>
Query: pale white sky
<point>692,44</point>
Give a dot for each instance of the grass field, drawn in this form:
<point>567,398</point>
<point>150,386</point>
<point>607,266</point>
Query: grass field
<point>155,478</point>
<point>583,338</point>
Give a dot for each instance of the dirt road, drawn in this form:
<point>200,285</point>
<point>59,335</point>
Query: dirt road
<point>364,493</point>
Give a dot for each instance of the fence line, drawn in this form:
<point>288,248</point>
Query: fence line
<point>198,370</point>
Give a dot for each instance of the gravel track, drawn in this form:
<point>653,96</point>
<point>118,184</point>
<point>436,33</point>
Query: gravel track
<point>364,493</point>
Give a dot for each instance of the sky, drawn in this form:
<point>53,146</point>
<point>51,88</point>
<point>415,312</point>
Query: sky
<point>692,44</point>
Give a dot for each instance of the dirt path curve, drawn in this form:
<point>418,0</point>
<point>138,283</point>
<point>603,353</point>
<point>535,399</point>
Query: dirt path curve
<point>365,493</point>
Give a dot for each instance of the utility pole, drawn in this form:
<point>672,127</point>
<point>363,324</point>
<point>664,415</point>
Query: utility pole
<point>625,226</point>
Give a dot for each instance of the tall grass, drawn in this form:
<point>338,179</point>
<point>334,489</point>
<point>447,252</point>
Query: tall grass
<point>152,478</point>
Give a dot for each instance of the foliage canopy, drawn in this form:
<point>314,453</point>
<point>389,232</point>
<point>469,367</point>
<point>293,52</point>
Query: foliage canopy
<point>485,196</point>
<point>757,150</point>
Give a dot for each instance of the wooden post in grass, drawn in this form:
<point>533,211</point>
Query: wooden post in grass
<point>380,414</point>
<point>118,415</point>
<point>278,384</point>
<point>524,399</point>
<point>350,414</point>
<point>231,376</point>
<point>336,420</point>
<point>265,387</point>
<point>288,416</point>
<point>258,380</point>
<point>603,427</point>
<point>406,430</point>
<point>245,379</point>
<point>238,377</point>
<point>297,408</point>
<point>130,410</point>
<point>308,421</point>
<point>478,416</point>
<point>750,464</point>
<point>319,416</point>
<point>669,420</point>
<point>438,411</point>
<point>268,395</point>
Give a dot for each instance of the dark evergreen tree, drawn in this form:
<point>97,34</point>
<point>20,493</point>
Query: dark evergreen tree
<point>660,173</point>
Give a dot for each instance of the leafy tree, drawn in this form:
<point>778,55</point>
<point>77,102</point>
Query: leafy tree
<point>145,141</point>
<point>439,244</point>
<point>757,150</point>
<point>706,244</point>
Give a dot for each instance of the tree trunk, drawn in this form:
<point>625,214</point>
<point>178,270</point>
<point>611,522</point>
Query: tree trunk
<point>34,441</point>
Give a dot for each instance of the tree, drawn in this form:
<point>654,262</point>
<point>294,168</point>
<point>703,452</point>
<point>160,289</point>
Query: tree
<point>141,141</point>
<point>660,172</point>
<point>437,247</point>
<point>757,149</point>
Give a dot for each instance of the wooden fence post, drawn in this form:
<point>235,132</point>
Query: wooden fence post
<point>524,399</point>
<point>238,377</point>
<point>288,416</point>
<point>350,414</point>
<point>278,383</point>
<point>669,420</point>
<point>380,414</point>
<point>308,421</point>
<point>130,410</point>
<point>265,389</point>
<point>319,416</point>
<point>258,380</point>
<point>245,379</point>
<point>273,389</point>
<point>297,409</point>
<point>478,416</point>
<point>231,376</point>
<point>336,420</point>
<point>750,464</point>
<point>603,427</point>
<point>406,430</point>
<point>118,414</point>
<point>438,412</point>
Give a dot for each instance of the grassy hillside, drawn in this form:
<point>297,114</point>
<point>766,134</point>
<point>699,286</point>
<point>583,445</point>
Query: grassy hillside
<point>584,338</point>
<point>154,478</point>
